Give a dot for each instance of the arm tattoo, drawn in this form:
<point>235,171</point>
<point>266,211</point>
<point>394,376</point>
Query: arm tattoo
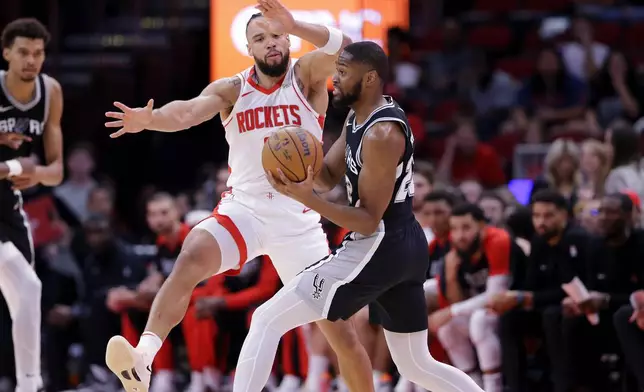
<point>298,80</point>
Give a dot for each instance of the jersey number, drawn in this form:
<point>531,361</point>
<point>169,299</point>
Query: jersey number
<point>407,185</point>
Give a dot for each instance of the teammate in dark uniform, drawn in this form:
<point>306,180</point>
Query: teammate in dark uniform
<point>31,106</point>
<point>382,260</point>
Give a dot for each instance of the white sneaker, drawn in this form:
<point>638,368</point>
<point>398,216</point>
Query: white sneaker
<point>128,365</point>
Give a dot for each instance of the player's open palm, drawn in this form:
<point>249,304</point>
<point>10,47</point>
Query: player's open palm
<point>278,18</point>
<point>130,120</point>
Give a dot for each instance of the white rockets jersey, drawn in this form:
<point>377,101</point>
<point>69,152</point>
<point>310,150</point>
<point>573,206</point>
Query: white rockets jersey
<point>257,113</point>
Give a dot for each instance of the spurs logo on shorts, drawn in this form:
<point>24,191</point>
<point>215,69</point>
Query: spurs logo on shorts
<point>318,286</point>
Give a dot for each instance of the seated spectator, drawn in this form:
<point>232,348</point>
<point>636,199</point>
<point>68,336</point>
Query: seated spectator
<point>561,171</point>
<point>108,264</point>
<point>530,308</point>
<point>465,158</point>
<point>74,192</point>
<point>629,324</point>
<point>476,268</point>
<point>423,185</point>
<point>448,68</point>
<point>593,166</point>
<point>470,190</point>
<point>627,172</point>
<point>613,272</point>
<point>551,95</point>
<point>163,219</point>
<point>615,91</point>
<point>493,207</point>
<point>492,95</point>
<point>583,56</point>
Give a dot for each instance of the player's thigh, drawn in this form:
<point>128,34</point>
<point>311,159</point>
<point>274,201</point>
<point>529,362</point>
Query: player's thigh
<point>17,231</point>
<point>403,308</point>
<point>291,254</point>
<point>224,241</point>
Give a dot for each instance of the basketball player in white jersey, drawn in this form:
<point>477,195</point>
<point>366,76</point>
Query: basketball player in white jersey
<point>252,219</point>
<point>31,106</point>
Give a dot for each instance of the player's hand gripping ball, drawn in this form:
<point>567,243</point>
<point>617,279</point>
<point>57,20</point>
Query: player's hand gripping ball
<point>292,150</point>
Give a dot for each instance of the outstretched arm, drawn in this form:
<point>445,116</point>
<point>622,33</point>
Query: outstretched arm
<point>178,115</point>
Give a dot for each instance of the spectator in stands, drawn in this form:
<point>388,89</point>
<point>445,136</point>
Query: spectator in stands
<point>551,95</point>
<point>534,307</point>
<point>613,271</point>
<point>561,171</point>
<point>465,158</point>
<point>492,95</point>
<point>615,91</point>
<point>476,268</point>
<point>436,211</point>
<point>450,66</point>
<point>74,192</point>
<point>583,56</point>
<point>493,207</point>
<point>108,264</point>
<point>629,323</point>
<point>593,165</point>
<point>471,190</point>
<point>627,172</point>
<point>423,185</point>
<point>637,208</point>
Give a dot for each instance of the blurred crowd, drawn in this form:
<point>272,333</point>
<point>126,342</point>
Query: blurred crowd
<point>534,134</point>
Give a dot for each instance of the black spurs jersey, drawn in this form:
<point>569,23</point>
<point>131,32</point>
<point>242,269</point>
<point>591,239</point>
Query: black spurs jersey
<point>399,210</point>
<point>25,118</point>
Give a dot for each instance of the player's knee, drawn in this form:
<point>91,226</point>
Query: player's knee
<point>482,325</point>
<point>448,336</point>
<point>199,259</point>
<point>342,337</point>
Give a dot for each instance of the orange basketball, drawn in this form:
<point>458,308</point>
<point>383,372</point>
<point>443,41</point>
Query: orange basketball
<point>293,150</point>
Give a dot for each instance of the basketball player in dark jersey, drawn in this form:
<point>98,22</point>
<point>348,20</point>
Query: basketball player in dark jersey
<point>31,106</point>
<point>382,260</point>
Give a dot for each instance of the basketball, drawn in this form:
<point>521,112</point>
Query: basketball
<point>293,150</point>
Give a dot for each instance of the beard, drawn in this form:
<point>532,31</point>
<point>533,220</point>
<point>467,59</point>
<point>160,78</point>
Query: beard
<point>274,70</point>
<point>343,99</point>
<point>466,254</point>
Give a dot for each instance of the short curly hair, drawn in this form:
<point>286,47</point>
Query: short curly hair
<point>26,27</point>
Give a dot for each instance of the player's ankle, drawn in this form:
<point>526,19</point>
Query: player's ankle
<point>149,345</point>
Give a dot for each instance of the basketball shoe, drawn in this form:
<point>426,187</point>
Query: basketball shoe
<point>129,365</point>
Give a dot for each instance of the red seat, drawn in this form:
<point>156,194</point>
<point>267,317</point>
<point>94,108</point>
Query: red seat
<point>608,33</point>
<point>504,145</point>
<point>417,127</point>
<point>633,37</point>
<point>519,68</point>
<point>444,112</point>
<point>490,37</point>
<point>496,6</point>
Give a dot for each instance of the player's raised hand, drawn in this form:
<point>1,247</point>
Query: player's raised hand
<point>278,18</point>
<point>130,120</point>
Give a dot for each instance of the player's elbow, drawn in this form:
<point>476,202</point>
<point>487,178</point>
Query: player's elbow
<point>368,227</point>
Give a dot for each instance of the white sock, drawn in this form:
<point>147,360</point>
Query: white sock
<point>403,385</point>
<point>289,383</point>
<point>212,377</point>
<point>341,385</point>
<point>377,376</point>
<point>493,382</point>
<point>22,290</point>
<point>280,314</point>
<point>149,346</point>
<point>318,367</point>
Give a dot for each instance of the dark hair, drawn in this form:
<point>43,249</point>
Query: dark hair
<point>550,196</point>
<point>537,82</point>
<point>252,18</point>
<point>161,196</point>
<point>102,187</point>
<point>473,210</point>
<point>441,195</point>
<point>26,27</point>
<point>626,145</point>
<point>625,202</point>
<point>492,195</point>
<point>82,146</point>
<point>371,54</point>
<point>519,223</point>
